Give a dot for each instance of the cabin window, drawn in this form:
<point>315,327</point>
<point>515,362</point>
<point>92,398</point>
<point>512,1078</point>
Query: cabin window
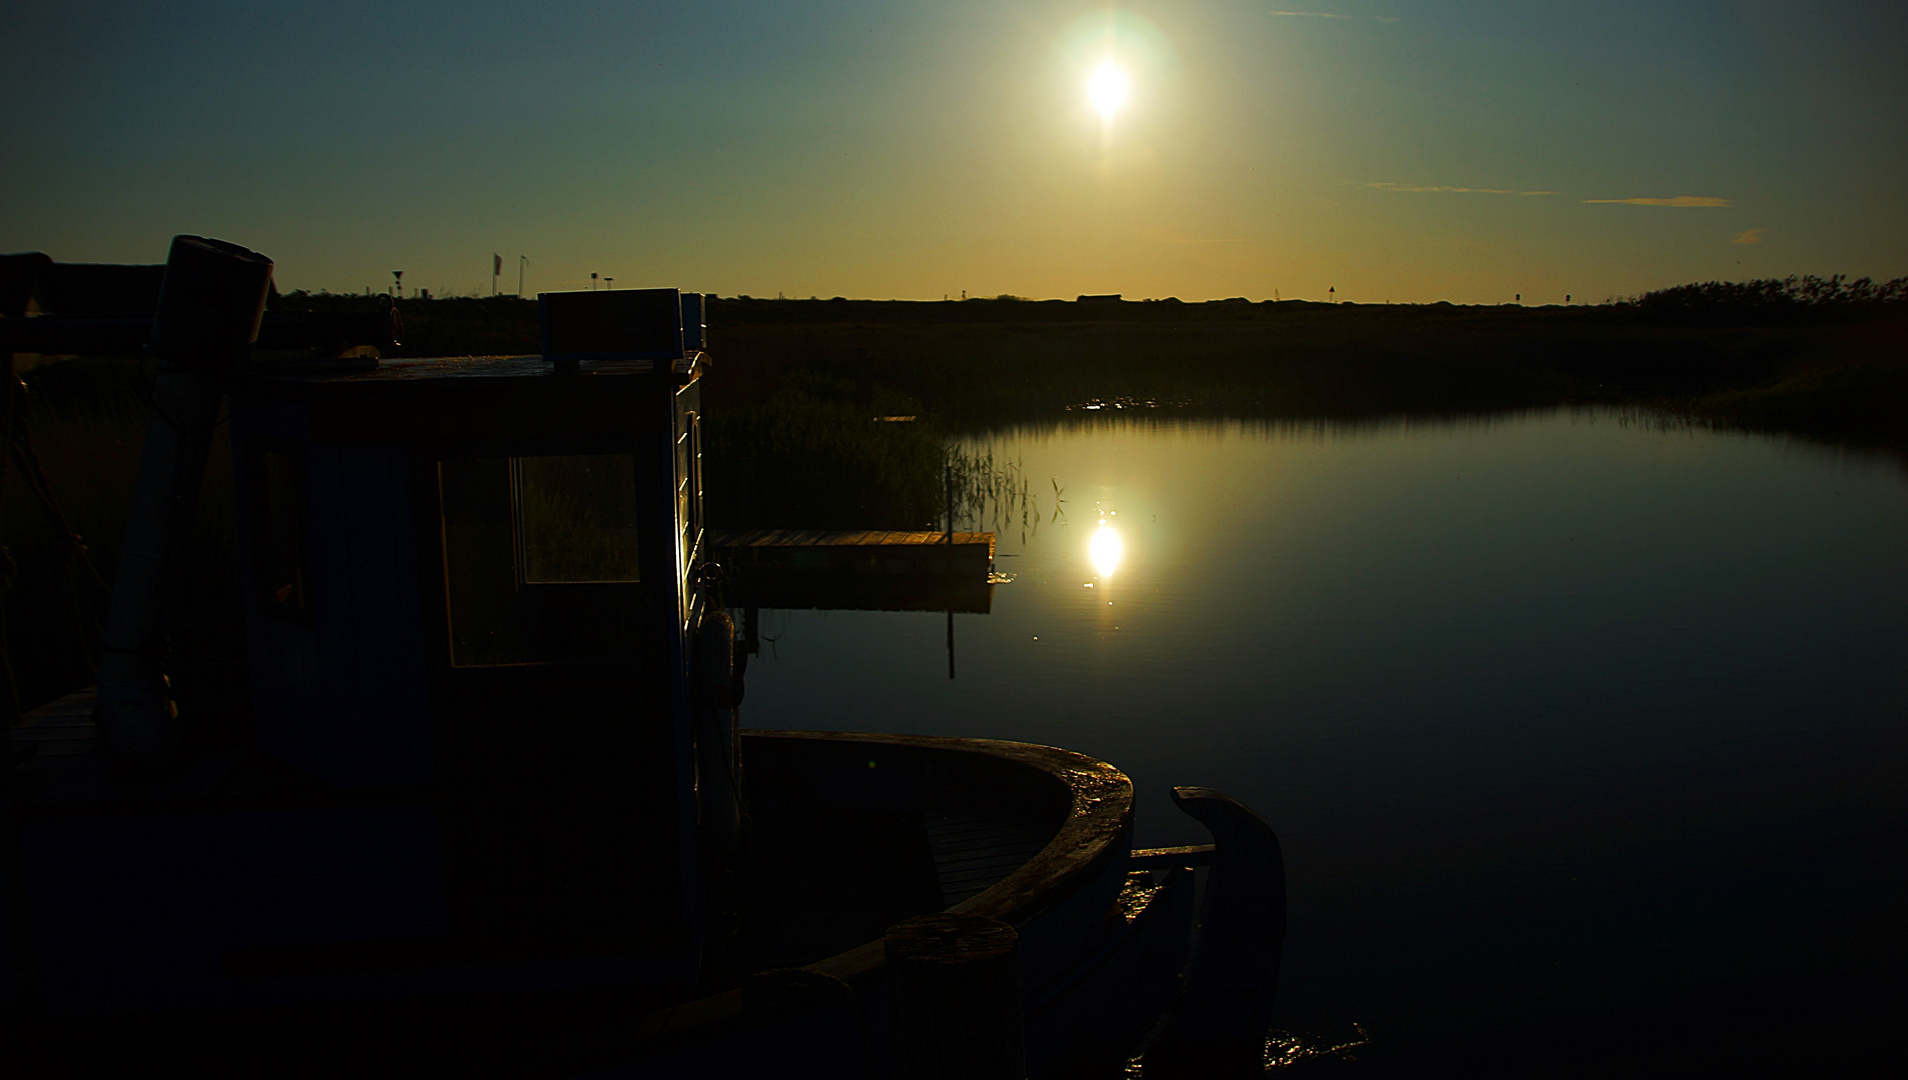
<point>540,559</point>
<point>576,518</point>
<point>281,528</point>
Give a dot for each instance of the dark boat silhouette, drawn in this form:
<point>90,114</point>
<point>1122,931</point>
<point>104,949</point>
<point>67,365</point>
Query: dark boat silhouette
<point>493,811</point>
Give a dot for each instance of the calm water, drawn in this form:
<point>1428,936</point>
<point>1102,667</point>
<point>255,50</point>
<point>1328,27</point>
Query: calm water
<point>1585,739</point>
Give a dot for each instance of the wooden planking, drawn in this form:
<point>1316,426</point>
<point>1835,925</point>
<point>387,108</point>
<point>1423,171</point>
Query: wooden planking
<point>974,849</point>
<point>856,569</point>
<point>783,538</point>
<point>59,728</point>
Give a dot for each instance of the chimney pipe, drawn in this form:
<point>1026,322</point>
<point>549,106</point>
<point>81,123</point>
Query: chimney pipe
<point>210,305</point>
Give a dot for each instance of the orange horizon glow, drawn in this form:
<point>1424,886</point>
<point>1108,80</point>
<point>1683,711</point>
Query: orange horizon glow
<point>1417,154</point>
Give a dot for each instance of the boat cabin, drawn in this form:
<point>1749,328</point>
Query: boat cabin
<point>477,577</point>
<point>471,614</point>
<point>488,814</point>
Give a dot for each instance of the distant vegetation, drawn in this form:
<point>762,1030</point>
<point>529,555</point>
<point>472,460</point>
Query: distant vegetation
<point>1822,357</point>
<point>1774,298</point>
<point>457,326</point>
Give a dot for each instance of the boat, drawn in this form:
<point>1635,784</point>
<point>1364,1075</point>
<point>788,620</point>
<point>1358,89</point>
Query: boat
<point>492,810</point>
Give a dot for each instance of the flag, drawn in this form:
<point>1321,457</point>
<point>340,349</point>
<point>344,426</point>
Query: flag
<point>496,264</point>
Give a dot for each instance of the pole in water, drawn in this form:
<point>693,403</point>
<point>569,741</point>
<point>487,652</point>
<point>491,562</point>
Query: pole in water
<point>950,644</point>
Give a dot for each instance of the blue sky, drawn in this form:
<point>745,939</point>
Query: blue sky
<point>1408,151</point>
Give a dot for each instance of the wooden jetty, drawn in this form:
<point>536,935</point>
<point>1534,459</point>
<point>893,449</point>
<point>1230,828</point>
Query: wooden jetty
<point>860,570</point>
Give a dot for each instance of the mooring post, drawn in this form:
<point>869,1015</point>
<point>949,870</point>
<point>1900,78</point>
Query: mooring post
<point>955,981</point>
<point>1219,1030</point>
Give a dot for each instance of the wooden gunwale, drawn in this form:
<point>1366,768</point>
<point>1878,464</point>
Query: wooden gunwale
<point>1094,832</point>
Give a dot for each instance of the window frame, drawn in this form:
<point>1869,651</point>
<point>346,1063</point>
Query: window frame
<point>264,535</point>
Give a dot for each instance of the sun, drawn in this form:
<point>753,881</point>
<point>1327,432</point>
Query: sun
<point>1106,88</point>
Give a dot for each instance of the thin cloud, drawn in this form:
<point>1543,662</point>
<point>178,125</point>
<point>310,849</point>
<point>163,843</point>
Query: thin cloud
<point>1457,190</point>
<point>1680,200</point>
<point>1749,236</point>
<point>1163,236</point>
<point>1335,15</point>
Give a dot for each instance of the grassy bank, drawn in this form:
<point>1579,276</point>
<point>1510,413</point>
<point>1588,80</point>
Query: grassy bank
<point>1850,386</point>
<point>977,364</point>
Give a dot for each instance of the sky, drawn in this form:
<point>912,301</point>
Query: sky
<point>1370,150</point>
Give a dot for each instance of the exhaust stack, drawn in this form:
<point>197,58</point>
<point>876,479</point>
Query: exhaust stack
<point>210,304</point>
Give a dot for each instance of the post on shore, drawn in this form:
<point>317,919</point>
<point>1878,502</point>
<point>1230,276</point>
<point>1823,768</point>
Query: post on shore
<point>955,981</point>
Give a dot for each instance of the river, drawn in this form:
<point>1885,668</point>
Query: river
<point>1585,735</point>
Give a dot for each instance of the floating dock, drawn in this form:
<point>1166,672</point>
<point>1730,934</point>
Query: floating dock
<point>865,570</point>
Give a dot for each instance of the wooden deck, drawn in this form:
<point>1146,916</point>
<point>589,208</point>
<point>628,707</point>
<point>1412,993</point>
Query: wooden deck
<point>866,570</point>
<point>59,731</point>
<point>823,550</point>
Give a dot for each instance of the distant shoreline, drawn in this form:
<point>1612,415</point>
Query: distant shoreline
<point>1718,353</point>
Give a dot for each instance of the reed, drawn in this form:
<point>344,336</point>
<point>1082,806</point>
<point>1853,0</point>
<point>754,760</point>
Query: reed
<point>810,457</point>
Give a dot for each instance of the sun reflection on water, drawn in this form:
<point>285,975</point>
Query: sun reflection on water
<point>1106,549</point>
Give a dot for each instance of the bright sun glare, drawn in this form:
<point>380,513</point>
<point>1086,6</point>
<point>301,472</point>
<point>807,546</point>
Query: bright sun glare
<point>1107,89</point>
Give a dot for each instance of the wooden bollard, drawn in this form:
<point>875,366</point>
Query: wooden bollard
<point>956,986</point>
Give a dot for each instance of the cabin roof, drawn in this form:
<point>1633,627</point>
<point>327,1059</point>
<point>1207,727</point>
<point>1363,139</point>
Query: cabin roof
<point>534,366</point>
<point>482,398</point>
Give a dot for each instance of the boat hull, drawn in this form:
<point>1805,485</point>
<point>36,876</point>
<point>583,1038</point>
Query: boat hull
<point>849,834</point>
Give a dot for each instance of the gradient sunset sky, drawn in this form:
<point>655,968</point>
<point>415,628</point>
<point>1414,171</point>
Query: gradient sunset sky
<point>1396,150</point>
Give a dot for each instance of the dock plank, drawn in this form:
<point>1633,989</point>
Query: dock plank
<point>60,728</point>
<point>872,569</point>
<point>967,551</point>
